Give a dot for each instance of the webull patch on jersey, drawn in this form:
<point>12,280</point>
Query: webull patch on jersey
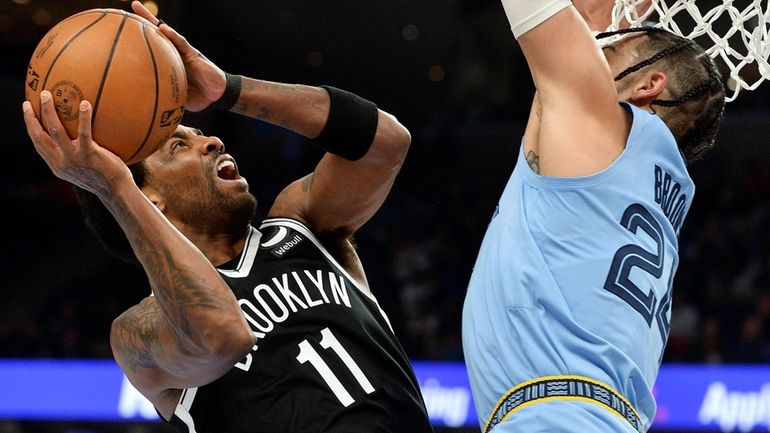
<point>279,244</point>
<point>285,247</point>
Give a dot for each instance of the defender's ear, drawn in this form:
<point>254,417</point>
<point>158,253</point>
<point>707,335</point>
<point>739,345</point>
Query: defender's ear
<point>648,88</point>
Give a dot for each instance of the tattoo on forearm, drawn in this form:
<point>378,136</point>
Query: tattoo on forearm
<point>265,114</point>
<point>179,293</point>
<point>268,115</point>
<point>533,160</point>
<point>240,107</point>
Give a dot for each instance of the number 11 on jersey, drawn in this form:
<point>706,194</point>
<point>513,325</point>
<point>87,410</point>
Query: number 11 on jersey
<point>328,341</point>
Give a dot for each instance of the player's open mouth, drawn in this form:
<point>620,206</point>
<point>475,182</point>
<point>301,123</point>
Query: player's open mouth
<point>226,168</point>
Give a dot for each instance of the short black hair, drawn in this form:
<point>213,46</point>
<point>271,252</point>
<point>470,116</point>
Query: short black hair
<point>103,225</point>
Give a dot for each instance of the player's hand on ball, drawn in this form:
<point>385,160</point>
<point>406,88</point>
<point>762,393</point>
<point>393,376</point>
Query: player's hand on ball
<point>205,81</point>
<point>81,161</point>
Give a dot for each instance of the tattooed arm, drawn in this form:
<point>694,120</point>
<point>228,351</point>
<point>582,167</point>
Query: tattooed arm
<point>576,125</point>
<point>192,331</point>
<point>340,195</point>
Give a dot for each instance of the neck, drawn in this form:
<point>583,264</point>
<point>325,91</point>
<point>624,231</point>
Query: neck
<point>218,248</point>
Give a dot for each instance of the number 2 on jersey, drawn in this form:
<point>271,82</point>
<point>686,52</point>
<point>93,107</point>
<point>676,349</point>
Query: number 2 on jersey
<point>636,218</point>
<point>307,353</point>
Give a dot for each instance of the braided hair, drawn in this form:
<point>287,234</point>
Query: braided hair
<point>697,110</point>
<point>103,225</point>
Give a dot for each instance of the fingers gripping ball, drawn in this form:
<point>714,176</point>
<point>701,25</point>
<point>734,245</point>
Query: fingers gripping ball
<point>129,71</point>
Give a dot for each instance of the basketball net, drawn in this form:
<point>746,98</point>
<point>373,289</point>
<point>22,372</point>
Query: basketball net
<point>735,33</point>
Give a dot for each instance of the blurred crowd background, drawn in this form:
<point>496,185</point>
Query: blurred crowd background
<point>451,71</point>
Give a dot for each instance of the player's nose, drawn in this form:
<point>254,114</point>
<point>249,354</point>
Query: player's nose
<point>212,145</point>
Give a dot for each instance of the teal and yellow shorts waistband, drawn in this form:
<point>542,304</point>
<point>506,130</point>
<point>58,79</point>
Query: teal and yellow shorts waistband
<point>550,388</point>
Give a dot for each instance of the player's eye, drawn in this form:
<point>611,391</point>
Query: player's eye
<point>177,144</point>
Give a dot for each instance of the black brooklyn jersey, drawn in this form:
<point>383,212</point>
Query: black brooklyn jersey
<point>326,359</point>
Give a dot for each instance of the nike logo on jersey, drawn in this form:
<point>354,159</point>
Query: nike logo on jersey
<point>277,237</point>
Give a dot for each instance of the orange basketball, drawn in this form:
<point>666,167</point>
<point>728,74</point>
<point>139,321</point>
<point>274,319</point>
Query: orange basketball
<point>129,71</point>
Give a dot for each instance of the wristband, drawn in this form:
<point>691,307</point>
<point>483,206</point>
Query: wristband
<point>231,95</point>
<point>524,15</point>
<point>351,125</point>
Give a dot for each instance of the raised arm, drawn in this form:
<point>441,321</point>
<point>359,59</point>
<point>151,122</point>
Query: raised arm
<point>340,195</point>
<point>192,330</point>
<point>577,126</point>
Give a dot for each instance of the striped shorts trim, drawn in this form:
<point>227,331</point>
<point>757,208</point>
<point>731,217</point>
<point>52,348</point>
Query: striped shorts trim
<point>549,388</point>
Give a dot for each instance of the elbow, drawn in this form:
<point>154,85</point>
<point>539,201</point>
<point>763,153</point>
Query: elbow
<point>243,342</point>
<point>393,140</point>
<point>403,141</point>
<point>240,344</point>
<point>117,329</point>
<point>229,343</point>
<point>226,340</point>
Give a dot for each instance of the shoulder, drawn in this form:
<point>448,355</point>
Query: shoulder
<point>290,202</point>
<point>338,246</point>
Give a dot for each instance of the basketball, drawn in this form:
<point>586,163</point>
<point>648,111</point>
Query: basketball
<point>121,63</point>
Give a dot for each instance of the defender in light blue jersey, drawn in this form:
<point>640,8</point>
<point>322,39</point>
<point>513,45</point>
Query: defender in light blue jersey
<point>568,307</point>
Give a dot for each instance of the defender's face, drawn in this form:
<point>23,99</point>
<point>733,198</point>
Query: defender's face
<point>199,182</point>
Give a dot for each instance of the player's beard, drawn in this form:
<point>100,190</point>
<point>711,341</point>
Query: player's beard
<point>213,212</point>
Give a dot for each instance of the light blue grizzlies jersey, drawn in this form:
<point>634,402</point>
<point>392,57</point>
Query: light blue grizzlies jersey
<point>574,275</point>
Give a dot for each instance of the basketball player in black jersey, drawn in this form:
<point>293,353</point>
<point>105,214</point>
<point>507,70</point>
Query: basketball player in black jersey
<point>250,330</point>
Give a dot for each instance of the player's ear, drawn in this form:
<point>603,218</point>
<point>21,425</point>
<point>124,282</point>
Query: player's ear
<point>155,197</point>
<point>651,86</point>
